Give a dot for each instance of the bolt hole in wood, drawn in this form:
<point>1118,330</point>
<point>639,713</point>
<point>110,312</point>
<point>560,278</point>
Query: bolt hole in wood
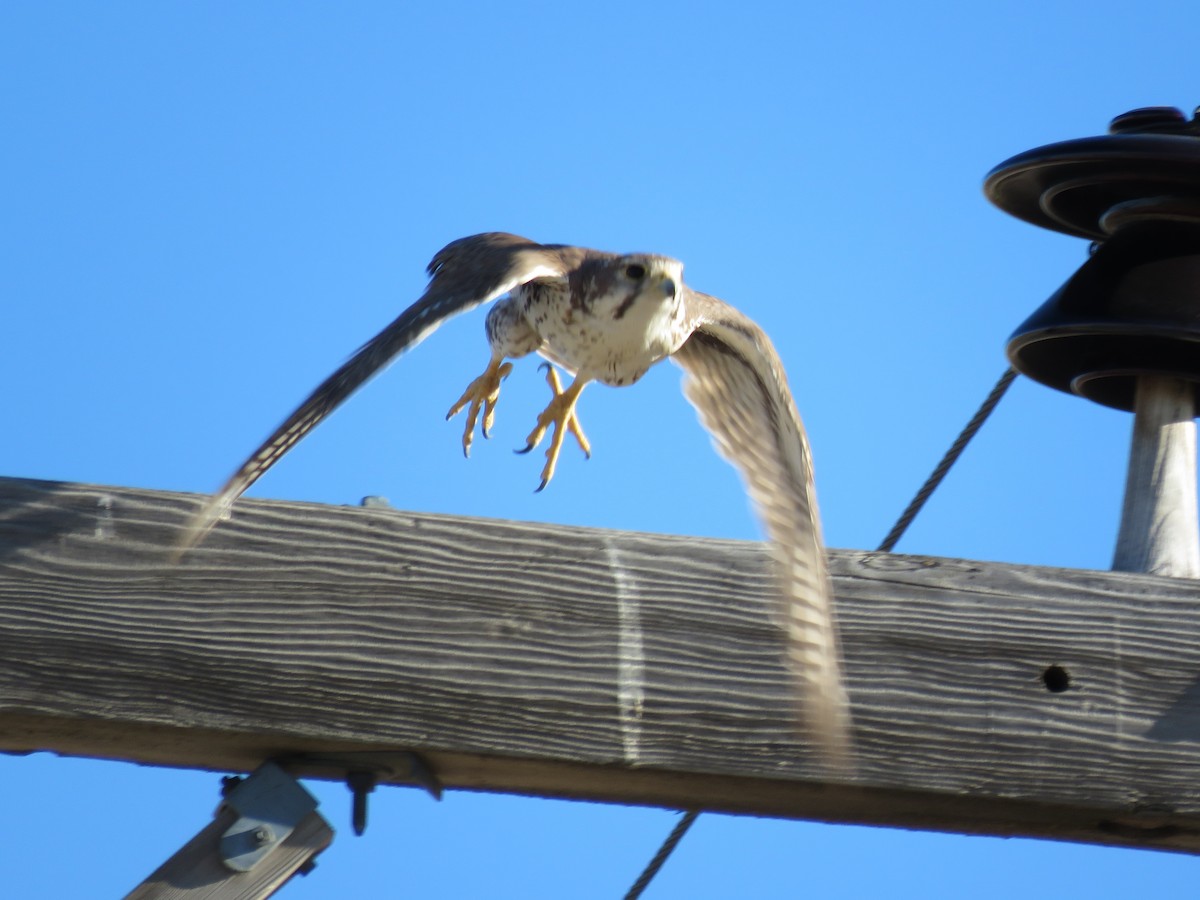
<point>1056,679</point>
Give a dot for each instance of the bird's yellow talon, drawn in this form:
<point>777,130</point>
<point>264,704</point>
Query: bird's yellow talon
<point>483,392</point>
<point>559,416</point>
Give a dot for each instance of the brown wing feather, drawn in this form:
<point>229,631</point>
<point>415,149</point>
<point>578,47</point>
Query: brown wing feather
<point>737,384</point>
<point>464,274</point>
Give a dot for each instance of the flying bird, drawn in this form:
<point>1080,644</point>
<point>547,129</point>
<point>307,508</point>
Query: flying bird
<point>609,317</point>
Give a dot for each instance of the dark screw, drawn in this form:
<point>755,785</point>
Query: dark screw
<point>360,783</point>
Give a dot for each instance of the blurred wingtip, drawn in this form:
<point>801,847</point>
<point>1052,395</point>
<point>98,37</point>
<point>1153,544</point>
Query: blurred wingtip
<point>216,509</point>
<point>837,752</point>
<point>826,725</point>
<point>823,705</point>
<point>826,733</point>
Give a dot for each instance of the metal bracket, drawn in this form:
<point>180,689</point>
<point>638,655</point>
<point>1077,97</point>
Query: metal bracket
<point>270,804</point>
<point>364,770</point>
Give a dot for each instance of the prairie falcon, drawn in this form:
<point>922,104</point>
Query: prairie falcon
<point>607,317</point>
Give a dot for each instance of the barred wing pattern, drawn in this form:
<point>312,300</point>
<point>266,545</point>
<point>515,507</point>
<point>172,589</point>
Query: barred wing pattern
<point>736,382</point>
<point>465,274</point>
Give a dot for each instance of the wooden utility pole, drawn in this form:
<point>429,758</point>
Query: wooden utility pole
<point>568,662</point>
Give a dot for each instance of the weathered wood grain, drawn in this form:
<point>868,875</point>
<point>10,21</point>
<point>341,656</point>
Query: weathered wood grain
<point>593,664</point>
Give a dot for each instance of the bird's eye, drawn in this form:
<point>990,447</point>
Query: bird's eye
<point>635,272</point>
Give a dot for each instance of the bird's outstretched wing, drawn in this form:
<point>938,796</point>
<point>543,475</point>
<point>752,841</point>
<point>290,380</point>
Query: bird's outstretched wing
<point>464,274</point>
<point>735,380</point>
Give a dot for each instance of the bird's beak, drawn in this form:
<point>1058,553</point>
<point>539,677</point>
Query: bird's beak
<point>668,286</point>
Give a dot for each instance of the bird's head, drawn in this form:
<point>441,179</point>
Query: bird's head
<point>640,285</point>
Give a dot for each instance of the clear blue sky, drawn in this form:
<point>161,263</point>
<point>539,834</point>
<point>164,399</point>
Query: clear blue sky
<point>206,207</point>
